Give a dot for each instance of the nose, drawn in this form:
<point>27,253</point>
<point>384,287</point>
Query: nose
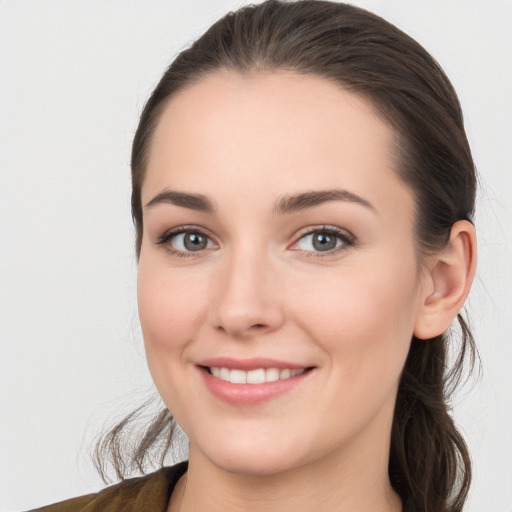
<point>247,300</point>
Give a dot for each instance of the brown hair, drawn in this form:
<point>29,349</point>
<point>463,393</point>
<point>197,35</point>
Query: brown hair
<point>429,464</point>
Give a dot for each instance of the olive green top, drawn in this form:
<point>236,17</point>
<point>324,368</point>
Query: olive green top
<point>149,493</point>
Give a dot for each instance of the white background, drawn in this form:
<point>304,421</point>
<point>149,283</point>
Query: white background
<point>73,78</point>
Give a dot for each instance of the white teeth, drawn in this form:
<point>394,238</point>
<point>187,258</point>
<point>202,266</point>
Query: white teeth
<point>285,374</point>
<point>258,376</point>
<point>272,374</point>
<point>237,376</point>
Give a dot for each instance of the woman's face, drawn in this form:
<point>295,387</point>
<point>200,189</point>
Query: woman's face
<point>278,244</point>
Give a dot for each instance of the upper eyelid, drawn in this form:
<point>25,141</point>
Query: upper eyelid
<point>320,228</point>
<point>185,229</point>
<point>301,232</point>
<point>324,229</point>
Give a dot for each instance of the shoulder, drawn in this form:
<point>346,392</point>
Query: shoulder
<point>149,493</point>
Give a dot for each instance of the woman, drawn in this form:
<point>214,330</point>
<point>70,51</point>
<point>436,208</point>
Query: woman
<point>302,193</point>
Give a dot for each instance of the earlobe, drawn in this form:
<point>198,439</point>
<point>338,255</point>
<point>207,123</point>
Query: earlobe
<point>450,275</point>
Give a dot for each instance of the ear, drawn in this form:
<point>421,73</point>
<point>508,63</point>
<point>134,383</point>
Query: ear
<point>449,276</point>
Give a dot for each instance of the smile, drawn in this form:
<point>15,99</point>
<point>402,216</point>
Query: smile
<point>245,382</point>
<point>256,376</point>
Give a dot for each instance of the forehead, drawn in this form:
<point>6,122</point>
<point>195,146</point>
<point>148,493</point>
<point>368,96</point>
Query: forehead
<point>283,129</point>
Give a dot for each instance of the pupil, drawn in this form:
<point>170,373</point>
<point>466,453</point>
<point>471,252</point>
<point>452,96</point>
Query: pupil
<point>324,242</point>
<point>194,241</point>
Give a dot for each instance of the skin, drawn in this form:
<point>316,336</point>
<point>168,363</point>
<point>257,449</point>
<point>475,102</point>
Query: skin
<point>261,289</point>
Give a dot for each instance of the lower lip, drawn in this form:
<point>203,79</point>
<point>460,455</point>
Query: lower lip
<point>250,394</point>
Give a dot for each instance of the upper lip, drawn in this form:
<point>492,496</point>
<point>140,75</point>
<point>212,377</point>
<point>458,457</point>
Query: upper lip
<point>250,364</point>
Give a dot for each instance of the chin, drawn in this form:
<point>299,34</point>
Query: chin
<point>255,464</point>
<point>252,456</point>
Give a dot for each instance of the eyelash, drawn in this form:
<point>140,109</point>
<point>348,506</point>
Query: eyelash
<point>347,239</point>
<point>169,235</point>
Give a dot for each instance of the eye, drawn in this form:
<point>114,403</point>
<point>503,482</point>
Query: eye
<point>326,240</point>
<point>185,241</point>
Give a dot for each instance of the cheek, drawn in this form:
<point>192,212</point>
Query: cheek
<point>363,317</point>
<point>171,306</point>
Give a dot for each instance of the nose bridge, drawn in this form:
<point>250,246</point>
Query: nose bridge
<point>246,298</point>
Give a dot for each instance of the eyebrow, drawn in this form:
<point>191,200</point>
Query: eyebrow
<point>305,200</point>
<point>193,201</point>
<point>285,205</point>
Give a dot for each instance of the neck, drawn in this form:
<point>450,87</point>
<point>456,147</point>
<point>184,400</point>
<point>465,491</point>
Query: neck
<point>332,483</point>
